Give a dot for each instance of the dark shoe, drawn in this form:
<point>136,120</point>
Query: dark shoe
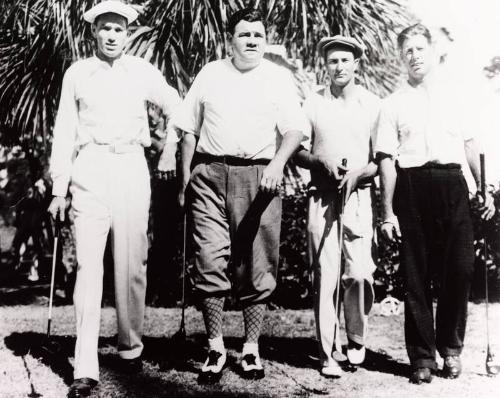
<point>81,387</point>
<point>252,367</point>
<point>421,375</point>
<point>452,367</point>
<point>130,366</point>
<point>211,371</point>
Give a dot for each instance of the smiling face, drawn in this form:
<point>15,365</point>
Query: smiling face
<point>110,31</point>
<point>249,42</point>
<point>341,66</point>
<point>418,57</point>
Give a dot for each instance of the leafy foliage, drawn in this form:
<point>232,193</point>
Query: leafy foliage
<point>39,39</point>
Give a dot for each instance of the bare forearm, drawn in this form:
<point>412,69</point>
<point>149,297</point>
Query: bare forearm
<point>307,160</point>
<point>472,156</point>
<point>387,186</point>
<point>188,147</point>
<point>291,141</point>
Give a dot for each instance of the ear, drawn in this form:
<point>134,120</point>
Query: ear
<point>94,30</point>
<point>356,63</point>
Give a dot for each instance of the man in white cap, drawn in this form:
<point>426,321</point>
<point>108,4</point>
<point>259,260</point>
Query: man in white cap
<point>342,119</point>
<point>98,151</point>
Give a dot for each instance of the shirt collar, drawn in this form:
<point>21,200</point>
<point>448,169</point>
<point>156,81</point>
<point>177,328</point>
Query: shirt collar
<point>118,63</point>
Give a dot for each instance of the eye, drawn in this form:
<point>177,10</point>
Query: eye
<point>259,35</point>
<point>244,34</point>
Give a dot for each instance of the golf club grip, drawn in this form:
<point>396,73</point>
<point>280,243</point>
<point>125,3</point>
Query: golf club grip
<point>483,174</point>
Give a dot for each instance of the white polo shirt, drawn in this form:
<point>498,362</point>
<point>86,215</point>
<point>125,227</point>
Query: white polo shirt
<point>427,123</point>
<point>341,128</point>
<point>106,105</point>
<point>240,113</point>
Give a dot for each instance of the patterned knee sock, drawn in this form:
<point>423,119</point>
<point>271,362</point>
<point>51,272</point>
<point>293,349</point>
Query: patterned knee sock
<point>212,315</point>
<point>253,316</point>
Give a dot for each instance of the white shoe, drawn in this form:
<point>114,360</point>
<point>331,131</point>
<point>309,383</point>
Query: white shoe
<point>251,363</point>
<point>332,370</point>
<point>215,361</point>
<point>356,356</point>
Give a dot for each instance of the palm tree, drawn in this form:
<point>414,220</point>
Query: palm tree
<point>40,38</point>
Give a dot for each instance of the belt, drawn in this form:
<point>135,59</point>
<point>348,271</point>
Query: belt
<point>229,160</point>
<point>116,148</point>
<point>436,166</point>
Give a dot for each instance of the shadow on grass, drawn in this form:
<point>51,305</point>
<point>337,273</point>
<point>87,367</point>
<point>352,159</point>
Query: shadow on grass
<point>185,356</point>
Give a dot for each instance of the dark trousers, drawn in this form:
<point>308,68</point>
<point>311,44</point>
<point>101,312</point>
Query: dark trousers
<point>437,248</point>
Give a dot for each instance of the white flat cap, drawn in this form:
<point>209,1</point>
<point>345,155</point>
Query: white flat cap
<point>111,6</point>
<point>327,42</point>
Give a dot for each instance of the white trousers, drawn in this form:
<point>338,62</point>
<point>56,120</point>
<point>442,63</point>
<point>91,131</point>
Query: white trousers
<point>357,279</point>
<point>111,194</point>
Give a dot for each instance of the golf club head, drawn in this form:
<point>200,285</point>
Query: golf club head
<point>50,349</point>
<point>492,369</point>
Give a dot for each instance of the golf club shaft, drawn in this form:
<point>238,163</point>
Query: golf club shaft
<point>183,300</point>
<point>338,346</point>
<point>485,252</point>
<point>52,275</point>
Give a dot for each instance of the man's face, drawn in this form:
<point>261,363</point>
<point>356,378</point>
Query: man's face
<point>110,31</point>
<point>341,66</point>
<point>249,41</point>
<point>418,56</point>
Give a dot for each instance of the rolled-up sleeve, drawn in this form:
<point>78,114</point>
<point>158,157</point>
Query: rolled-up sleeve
<point>386,136</point>
<point>64,137</point>
<point>189,115</point>
<point>291,116</point>
<point>165,97</point>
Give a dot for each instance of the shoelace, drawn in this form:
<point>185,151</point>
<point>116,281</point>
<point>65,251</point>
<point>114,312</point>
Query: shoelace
<point>213,358</point>
<point>249,359</point>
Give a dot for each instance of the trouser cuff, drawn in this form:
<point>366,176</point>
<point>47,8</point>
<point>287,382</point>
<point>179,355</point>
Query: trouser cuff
<point>130,354</point>
<point>424,363</point>
<point>447,352</point>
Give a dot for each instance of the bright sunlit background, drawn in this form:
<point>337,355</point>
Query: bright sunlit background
<point>474,26</point>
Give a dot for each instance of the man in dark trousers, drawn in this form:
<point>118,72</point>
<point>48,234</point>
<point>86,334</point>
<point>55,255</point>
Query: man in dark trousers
<point>424,140</point>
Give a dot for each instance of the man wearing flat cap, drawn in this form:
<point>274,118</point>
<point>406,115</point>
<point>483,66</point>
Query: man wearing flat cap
<point>342,118</point>
<point>100,133</point>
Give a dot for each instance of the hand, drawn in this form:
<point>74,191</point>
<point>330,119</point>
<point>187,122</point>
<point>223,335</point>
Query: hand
<point>332,167</point>
<point>167,165</point>
<point>350,180</point>
<point>272,178</point>
<point>181,196</point>
<point>488,206</point>
<point>57,207</point>
<point>390,229</point>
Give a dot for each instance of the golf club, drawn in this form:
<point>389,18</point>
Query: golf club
<point>179,338</point>
<point>49,346</point>
<point>491,368</point>
<point>338,355</point>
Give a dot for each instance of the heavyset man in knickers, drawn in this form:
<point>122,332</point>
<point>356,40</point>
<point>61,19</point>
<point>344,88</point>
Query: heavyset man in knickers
<point>240,123</point>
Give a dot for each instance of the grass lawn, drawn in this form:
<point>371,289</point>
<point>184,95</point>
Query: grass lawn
<point>288,349</point>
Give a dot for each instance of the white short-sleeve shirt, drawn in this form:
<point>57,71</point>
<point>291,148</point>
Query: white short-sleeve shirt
<point>427,123</point>
<point>238,113</point>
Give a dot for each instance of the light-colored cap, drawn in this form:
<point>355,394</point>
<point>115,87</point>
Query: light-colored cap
<point>327,42</point>
<point>111,6</point>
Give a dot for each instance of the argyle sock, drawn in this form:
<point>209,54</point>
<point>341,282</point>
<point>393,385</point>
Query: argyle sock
<point>253,316</point>
<point>212,315</point>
